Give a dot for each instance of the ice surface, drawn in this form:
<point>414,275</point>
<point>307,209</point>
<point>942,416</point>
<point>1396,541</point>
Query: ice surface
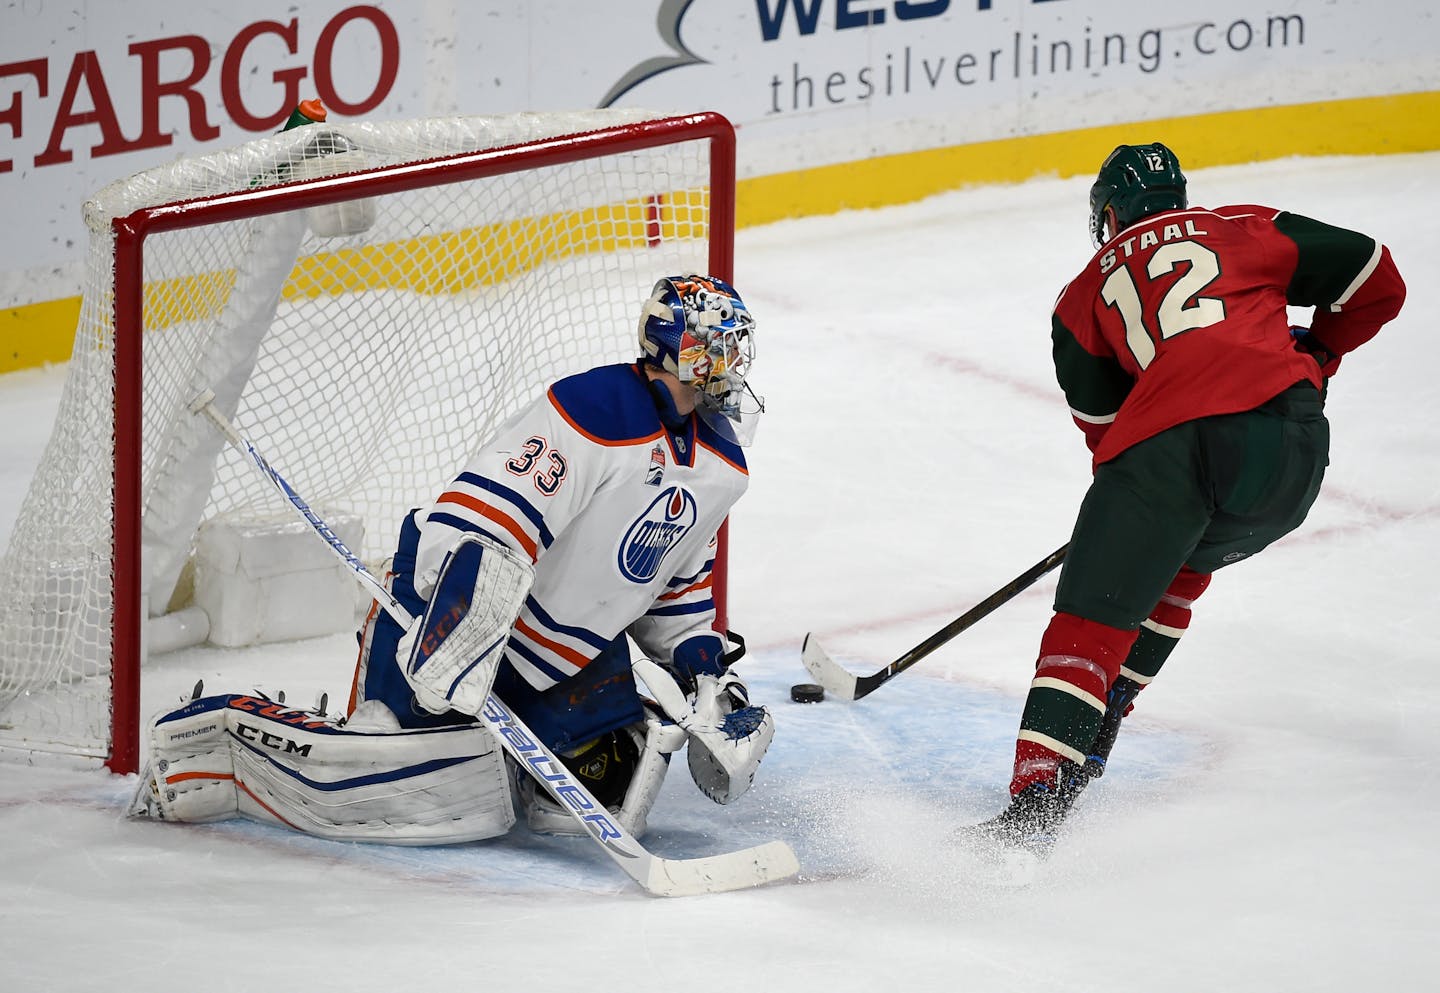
<point>1269,820</point>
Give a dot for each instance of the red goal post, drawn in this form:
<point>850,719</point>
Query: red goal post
<point>332,296</point>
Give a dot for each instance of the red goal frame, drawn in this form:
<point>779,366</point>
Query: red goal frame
<point>132,230</point>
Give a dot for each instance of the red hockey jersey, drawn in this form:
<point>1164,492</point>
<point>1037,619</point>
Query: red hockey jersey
<point>1182,315</point>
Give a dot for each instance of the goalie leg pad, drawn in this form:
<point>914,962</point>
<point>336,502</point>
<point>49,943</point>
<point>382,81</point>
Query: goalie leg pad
<point>661,739</point>
<point>655,739</point>
<point>220,756</point>
<point>190,776</point>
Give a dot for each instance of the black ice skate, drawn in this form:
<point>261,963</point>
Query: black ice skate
<point>1032,821</point>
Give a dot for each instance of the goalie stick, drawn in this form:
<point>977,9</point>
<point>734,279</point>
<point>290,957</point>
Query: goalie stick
<point>658,876</point>
<point>846,685</point>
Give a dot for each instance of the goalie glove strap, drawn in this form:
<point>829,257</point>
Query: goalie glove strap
<point>738,652</point>
<point>704,655</point>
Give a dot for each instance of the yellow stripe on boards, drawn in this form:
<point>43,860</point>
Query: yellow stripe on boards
<point>33,334</point>
<point>1366,126</point>
<point>498,252</point>
<point>453,262</point>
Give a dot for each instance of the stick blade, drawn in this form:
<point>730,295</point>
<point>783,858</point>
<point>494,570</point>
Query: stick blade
<point>767,863</point>
<point>826,671</point>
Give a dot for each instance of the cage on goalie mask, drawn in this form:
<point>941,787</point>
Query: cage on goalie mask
<point>699,329</point>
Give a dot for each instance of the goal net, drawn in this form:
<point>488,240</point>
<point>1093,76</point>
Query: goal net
<point>366,301</point>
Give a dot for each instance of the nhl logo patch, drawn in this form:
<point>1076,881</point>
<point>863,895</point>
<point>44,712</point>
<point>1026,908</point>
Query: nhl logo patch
<point>655,474</point>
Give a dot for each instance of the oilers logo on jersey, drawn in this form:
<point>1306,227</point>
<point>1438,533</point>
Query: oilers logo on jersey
<point>658,529</point>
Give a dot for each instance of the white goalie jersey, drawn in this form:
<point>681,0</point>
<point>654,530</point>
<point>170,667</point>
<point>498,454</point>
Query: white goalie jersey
<point>618,513</point>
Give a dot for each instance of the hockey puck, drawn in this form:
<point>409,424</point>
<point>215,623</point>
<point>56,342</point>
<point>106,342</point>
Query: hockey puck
<point>807,693</point>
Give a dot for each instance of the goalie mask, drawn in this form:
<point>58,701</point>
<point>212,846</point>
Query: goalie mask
<point>698,329</point>
<point>1134,182</point>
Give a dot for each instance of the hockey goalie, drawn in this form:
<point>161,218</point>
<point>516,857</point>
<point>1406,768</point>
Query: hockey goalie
<point>587,522</point>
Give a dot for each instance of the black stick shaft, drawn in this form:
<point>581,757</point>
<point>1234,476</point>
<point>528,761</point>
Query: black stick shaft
<point>1022,582</point>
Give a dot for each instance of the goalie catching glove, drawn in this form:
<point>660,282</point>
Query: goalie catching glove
<point>728,737</point>
<point>449,656</point>
<point>723,761</point>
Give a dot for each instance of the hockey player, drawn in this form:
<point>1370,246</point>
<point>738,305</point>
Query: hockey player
<point>589,516</point>
<point>1204,411</point>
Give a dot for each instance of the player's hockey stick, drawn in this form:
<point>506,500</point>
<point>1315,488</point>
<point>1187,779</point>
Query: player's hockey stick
<point>658,876</point>
<point>844,684</point>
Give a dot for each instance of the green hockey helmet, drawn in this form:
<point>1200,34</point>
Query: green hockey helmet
<point>1135,181</point>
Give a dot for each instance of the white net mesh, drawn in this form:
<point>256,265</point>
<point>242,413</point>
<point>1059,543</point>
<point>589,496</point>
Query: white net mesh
<point>365,365</point>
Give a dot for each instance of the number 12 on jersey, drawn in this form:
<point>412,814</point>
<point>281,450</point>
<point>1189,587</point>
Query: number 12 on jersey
<point>1180,309</point>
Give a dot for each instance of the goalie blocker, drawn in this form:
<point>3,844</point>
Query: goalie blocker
<point>450,654</point>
